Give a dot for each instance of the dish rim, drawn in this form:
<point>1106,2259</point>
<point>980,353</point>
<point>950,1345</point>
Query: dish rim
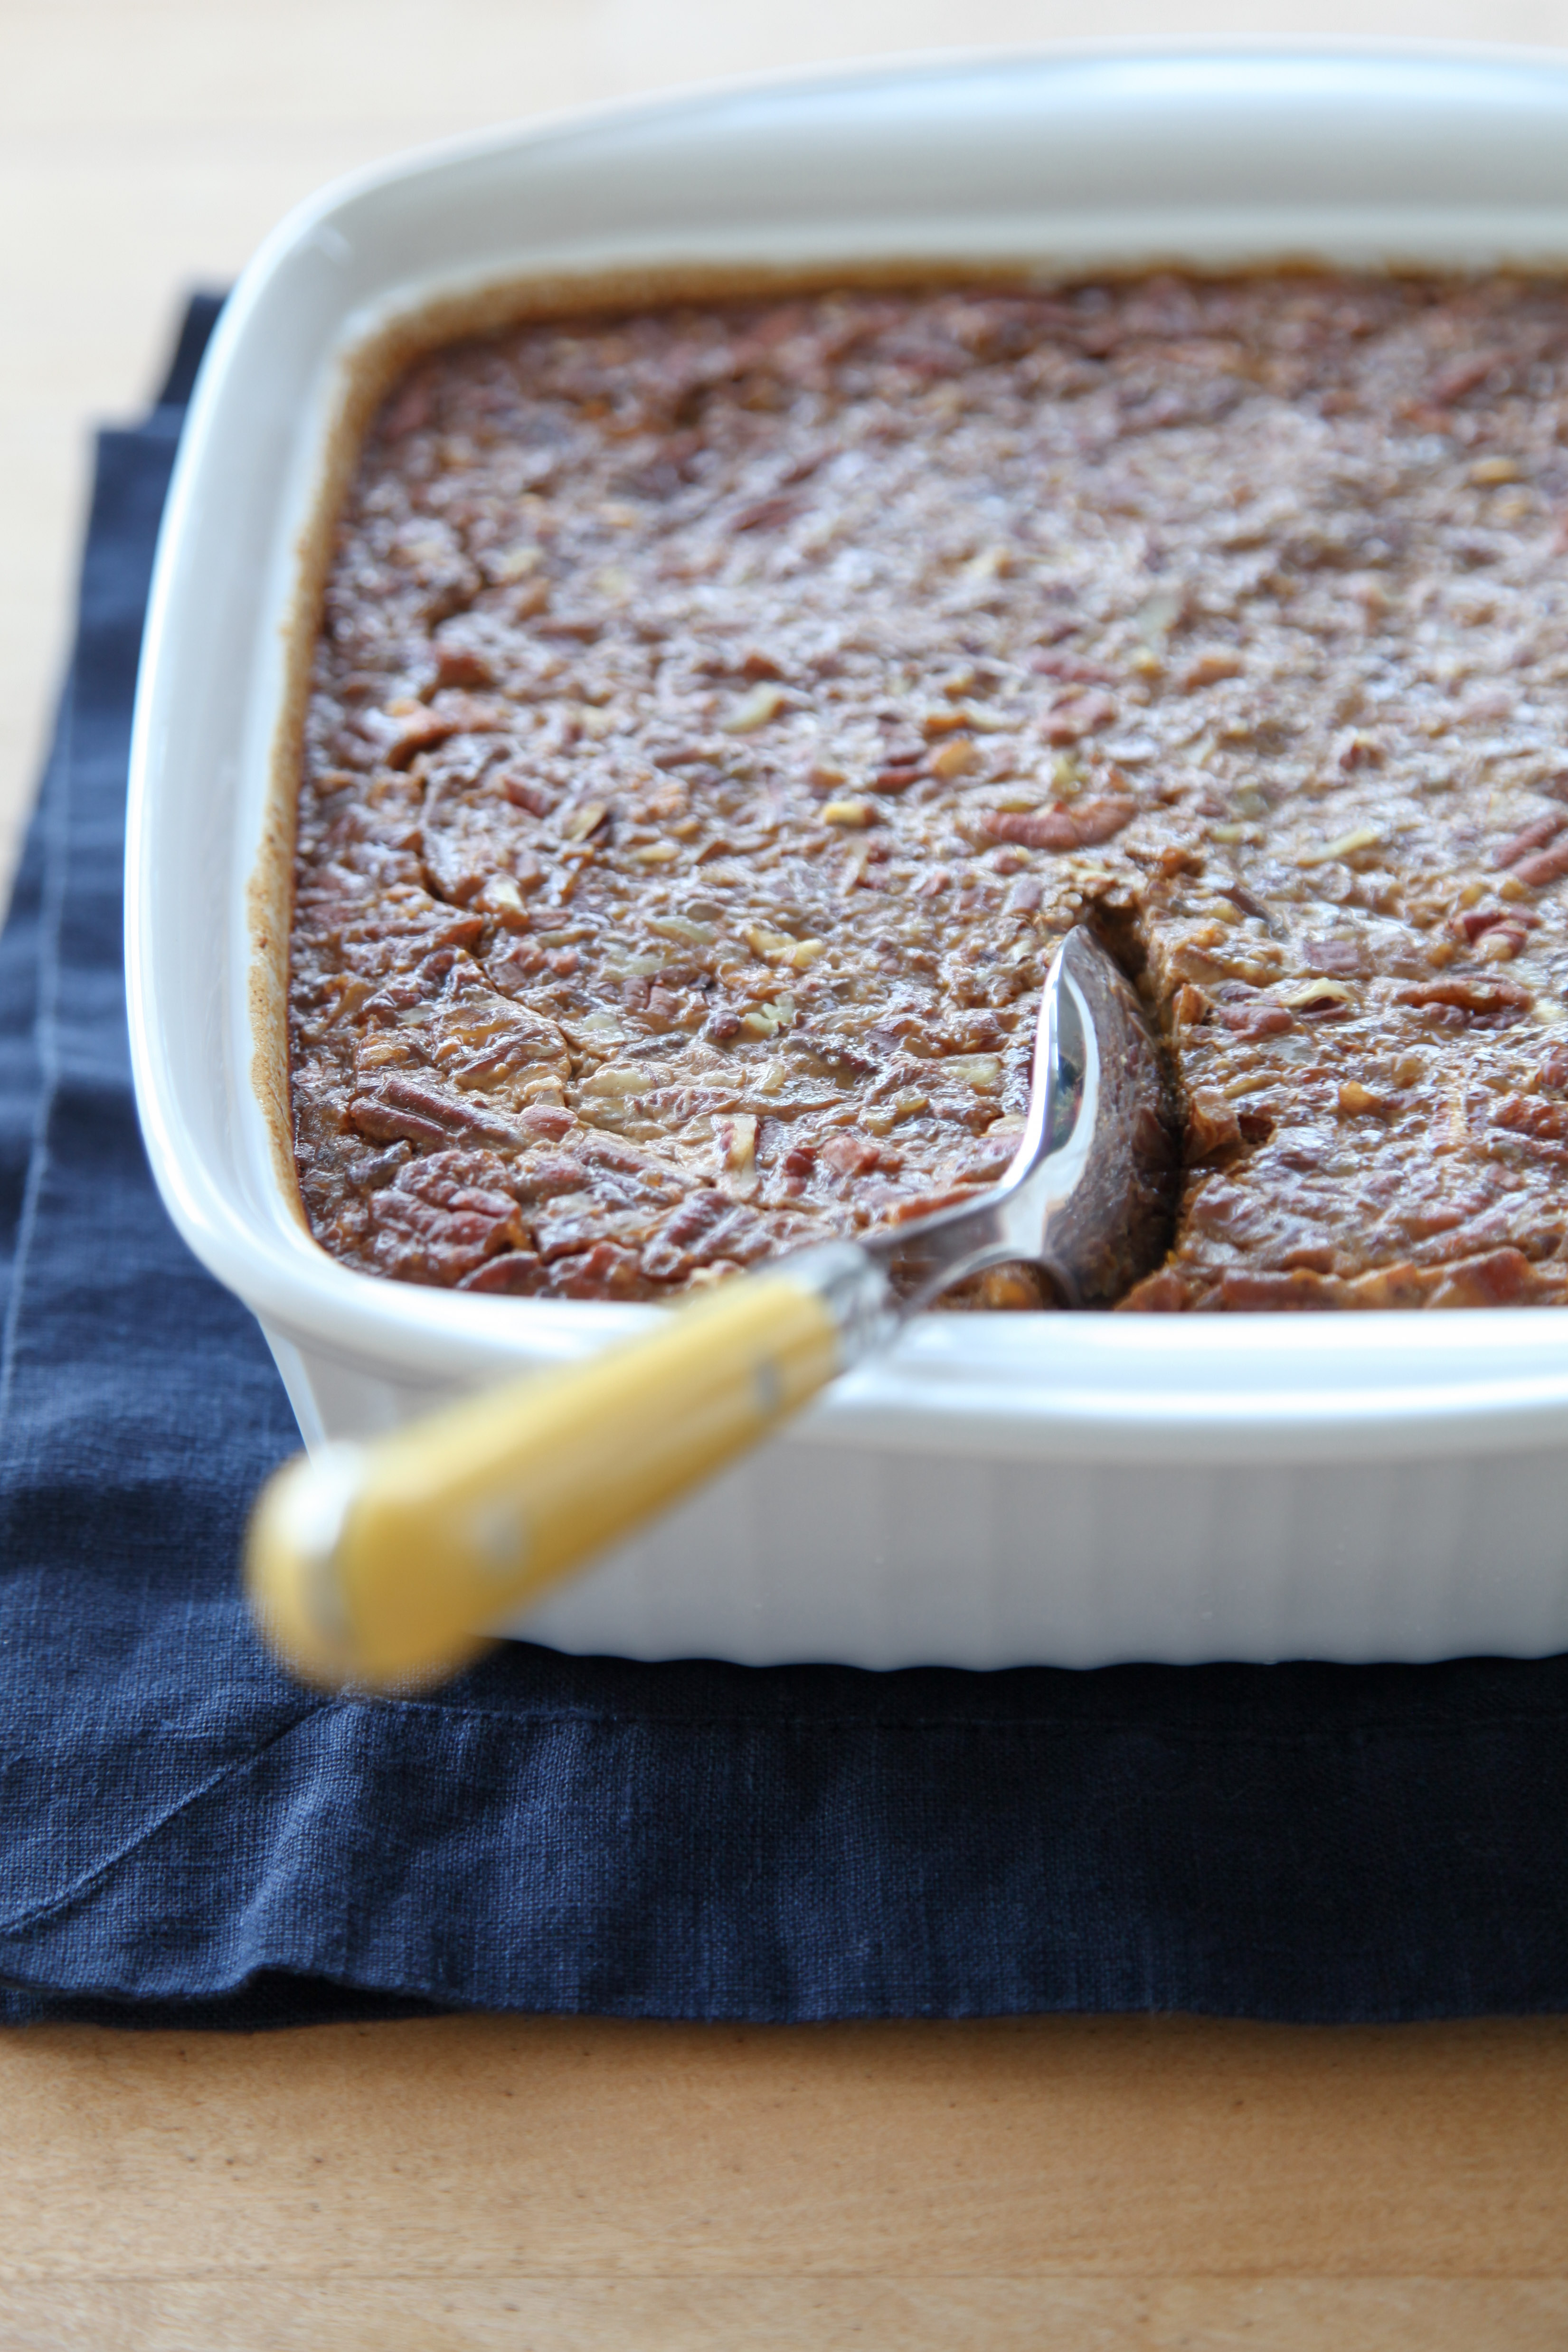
<point>1124,1385</point>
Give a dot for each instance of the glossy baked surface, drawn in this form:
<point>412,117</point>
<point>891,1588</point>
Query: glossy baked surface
<point>720,712</point>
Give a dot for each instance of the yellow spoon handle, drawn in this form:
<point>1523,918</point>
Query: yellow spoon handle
<point>382,1563</point>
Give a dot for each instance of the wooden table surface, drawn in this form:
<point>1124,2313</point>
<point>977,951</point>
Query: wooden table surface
<point>552,2184</point>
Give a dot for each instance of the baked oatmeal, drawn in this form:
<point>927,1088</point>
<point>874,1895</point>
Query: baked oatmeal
<point>721,710</point>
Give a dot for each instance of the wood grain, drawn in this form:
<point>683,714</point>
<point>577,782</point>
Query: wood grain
<point>400,2313</point>
<point>532,2183</point>
<point>471,2182</point>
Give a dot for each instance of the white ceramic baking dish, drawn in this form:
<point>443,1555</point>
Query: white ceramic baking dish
<point>1070,1489</point>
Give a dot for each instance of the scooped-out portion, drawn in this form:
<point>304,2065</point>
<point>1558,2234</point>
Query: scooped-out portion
<point>720,712</point>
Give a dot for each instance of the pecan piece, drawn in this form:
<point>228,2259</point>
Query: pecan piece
<point>1535,835</point>
<point>1479,999</point>
<point>1080,827</point>
<point>1547,866</point>
<point>1542,1122</point>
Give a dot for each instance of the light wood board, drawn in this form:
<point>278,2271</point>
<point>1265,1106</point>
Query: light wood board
<point>491,2181</point>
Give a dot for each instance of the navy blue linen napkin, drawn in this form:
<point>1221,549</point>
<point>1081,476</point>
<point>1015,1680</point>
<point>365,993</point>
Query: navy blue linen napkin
<point>186,1837</point>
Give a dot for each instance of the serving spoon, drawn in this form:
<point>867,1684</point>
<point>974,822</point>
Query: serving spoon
<point>377,1564</point>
